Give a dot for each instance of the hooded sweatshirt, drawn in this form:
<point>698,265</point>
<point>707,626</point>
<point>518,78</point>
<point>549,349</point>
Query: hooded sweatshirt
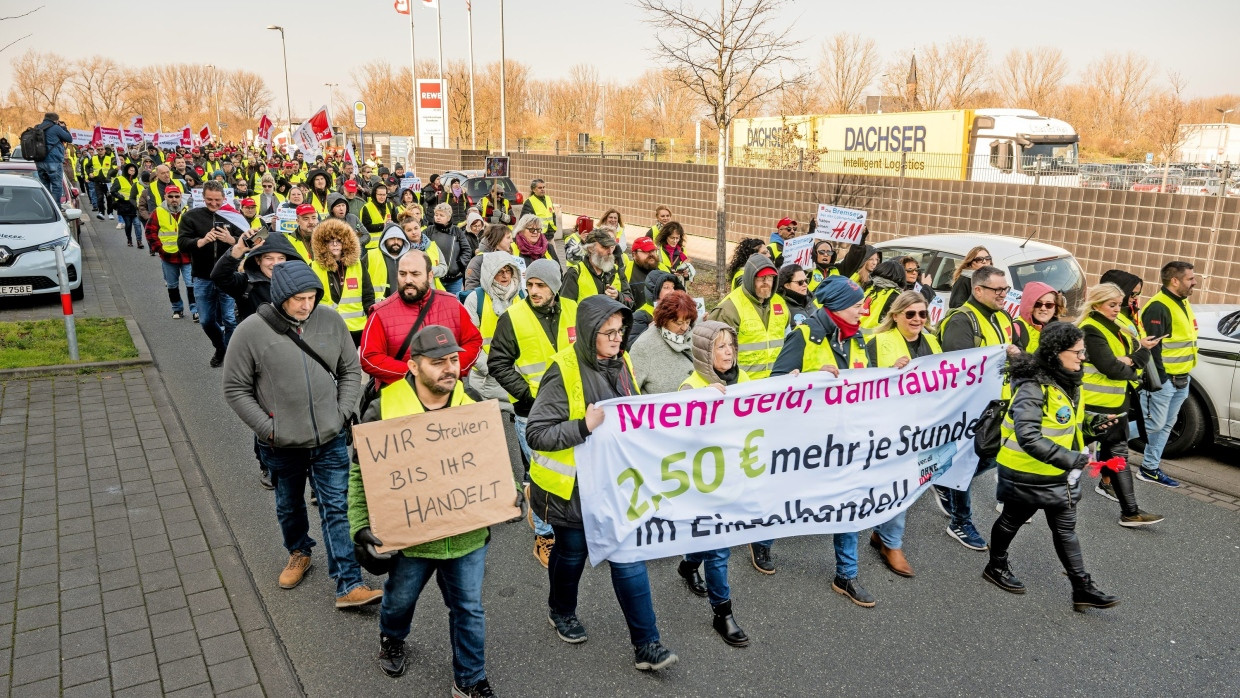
<point>726,311</point>
<point>480,378</point>
<point>549,427</point>
<point>642,317</point>
<point>318,198</point>
<point>1127,283</point>
<point>704,335</point>
<point>249,286</point>
<point>362,234</point>
<point>1025,328</point>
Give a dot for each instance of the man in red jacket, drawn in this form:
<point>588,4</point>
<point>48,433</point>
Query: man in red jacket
<point>391,320</point>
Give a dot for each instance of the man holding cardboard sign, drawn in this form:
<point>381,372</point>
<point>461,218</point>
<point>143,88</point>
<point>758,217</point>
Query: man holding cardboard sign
<point>428,483</point>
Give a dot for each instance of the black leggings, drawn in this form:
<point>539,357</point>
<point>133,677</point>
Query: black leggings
<point>1062,521</point>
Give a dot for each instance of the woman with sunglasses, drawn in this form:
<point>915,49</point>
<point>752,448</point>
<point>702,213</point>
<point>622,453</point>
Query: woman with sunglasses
<point>899,339</point>
<point>1042,458</point>
<point>1039,307</point>
<point>1115,353</point>
<point>962,288</point>
<point>792,285</point>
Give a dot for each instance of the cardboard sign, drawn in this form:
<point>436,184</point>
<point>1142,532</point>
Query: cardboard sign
<point>438,474</point>
<point>286,219</point>
<point>701,308</point>
<point>414,183</point>
<point>840,224</point>
<point>800,250</point>
<point>1011,302</point>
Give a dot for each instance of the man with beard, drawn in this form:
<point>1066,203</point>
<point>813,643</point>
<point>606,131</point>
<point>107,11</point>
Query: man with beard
<point>598,273</point>
<point>394,321</point>
<point>161,235</point>
<point>645,259</point>
<point>307,221</point>
<point>525,339</point>
<point>153,192</point>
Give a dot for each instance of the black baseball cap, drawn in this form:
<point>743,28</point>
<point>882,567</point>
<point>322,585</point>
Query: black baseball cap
<point>435,341</point>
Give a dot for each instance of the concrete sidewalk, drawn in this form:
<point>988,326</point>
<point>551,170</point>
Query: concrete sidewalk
<point>121,575</point>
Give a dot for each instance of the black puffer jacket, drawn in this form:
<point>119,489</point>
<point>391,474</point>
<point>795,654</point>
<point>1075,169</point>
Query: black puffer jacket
<point>650,293</point>
<point>550,428</point>
<point>1030,379</point>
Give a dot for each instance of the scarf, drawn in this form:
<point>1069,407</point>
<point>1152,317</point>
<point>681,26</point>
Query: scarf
<point>729,376</point>
<point>678,342</point>
<point>794,298</point>
<point>424,244</point>
<point>532,249</point>
<point>501,296</point>
<point>847,329</point>
<point>674,254</point>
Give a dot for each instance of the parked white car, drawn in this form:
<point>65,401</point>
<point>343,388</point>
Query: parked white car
<point>32,226</point>
<point>1023,260</point>
<point>1211,414</point>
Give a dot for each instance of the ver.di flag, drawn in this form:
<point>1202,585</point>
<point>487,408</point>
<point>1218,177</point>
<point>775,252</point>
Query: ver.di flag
<point>697,470</point>
<point>264,132</point>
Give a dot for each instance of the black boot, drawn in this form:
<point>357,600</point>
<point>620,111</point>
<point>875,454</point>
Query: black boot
<point>998,572</point>
<point>1086,595</point>
<point>688,571</point>
<point>727,627</point>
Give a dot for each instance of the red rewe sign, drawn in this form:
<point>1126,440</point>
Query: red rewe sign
<point>431,96</point>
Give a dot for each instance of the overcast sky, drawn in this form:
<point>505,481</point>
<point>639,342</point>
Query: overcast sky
<point>326,38</point>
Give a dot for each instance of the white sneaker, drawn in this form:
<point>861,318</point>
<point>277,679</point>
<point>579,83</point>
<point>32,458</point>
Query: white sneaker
<point>120,226</point>
<point>111,216</point>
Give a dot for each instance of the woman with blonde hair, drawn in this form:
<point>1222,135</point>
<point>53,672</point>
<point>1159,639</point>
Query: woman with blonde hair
<point>1115,353</point>
<point>962,286</point>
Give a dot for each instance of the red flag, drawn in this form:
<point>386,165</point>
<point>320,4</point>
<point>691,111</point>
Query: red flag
<point>321,124</point>
<point>136,124</point>
<point>186,138</point>
<point>402,6</point>
<point>264,128</point>
<point>204,135</point>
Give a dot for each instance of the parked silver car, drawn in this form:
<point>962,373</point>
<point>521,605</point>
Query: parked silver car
<point>1211,414</point>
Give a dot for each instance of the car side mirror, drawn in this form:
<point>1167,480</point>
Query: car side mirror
<point>73,214</point>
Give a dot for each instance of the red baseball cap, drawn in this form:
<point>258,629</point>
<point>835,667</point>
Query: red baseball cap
<point>644,244</point>
<point>195,151</point>
<point>584,224</point>
<point>785,222</point>
<point>198,170</point>
<point>765,271</point>
<point>305,210</point>
<point>172,188</point>
<point>350,186</point>
<point>247,201</point>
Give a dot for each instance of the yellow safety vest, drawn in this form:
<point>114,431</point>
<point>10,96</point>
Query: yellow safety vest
<point>534,350</point>
<point>695,380</point>
<point>256,223</point>
<point>350,306</point>
<point>377,217</point>
<point>300,246</point>
<point>126,188</point>
<point>1179,349</point>
<point>100,167</point>
<point>487,320</point>
<point>157,189</point>
<point>585,282</point>
<point>1096,389</point>
<point>817,277</point>
<point>759,344</point>
<point>1033,333</point>
<point>169,228</point>
<point>556,471</point>
<point>737,277</point>
<point>990,336</point>
<point>876,298</point>
<point>321,208</point>
<point>818,355</point>
<point>665,260</point>
<point>891,345</point>
<point>400,400</point>
<point>486,201</point>
<point>543,211</point>
<point>1061,423</point>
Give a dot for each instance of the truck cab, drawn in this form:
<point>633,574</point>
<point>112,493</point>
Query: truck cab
<point>1019,146</point>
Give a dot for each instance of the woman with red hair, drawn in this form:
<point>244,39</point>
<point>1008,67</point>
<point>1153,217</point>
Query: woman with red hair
<point>661,355</point>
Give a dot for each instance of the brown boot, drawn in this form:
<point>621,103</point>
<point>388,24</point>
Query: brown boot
<point>360,596</point>
<point>542,549</point>
<point>892,557</point>
<point>295,570</point>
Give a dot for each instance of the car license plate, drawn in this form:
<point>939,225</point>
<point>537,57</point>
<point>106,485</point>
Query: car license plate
<point>16,290</point>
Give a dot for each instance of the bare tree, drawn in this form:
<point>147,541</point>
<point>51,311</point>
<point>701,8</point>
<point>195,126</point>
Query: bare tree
<point>848,63</point>
<point>1120,83</point>
<point>966,66</point>
<point>100,87</point>
<point>1164,122</point>
<point>730,60</point>
<point>1032,78</point>
<point>246,94</point>
<point>39,81</point>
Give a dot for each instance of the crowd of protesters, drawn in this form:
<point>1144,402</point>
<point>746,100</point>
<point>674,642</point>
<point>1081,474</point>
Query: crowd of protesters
<point>379,302</point>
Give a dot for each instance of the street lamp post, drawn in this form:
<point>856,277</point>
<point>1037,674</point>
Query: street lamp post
<point>1222,130</point>
<point>215,87</point>
<point>159,115</point>
<point>288,103</point>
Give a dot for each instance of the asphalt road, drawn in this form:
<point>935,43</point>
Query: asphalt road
<point>945,632</point>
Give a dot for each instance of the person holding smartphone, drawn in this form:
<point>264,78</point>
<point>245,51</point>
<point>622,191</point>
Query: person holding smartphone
<point>207,236</point>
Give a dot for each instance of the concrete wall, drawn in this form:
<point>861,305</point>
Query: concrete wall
<point>1137,231</point>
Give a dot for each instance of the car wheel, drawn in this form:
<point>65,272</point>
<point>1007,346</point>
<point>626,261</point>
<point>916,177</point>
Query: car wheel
<point>78,293</point>
<point>1189,430</point>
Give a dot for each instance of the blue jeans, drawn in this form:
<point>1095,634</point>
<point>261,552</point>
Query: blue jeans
<point>328,467</point>
<point>460,582</point>
<point>628,579</point>
<point>845,555</point>
<point>173,274</point>
<point>454,287</point>
<point>217,313</point>
<point>715,572</point>
<point>133,229</point>
<point>541,527</point>
<point>1161,409</point>
<point>961,508</point>
<point>52,175</point>
<point>891,532</point>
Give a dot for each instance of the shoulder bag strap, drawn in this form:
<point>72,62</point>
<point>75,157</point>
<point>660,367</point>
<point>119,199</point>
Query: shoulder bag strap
<point>417,325</point>
<point>301,343</point>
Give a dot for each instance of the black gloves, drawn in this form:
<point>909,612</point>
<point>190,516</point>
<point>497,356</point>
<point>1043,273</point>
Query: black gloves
<point>374,562</point>
<point>520,503</point>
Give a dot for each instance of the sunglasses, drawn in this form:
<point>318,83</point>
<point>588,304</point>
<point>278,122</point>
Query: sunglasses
<point>1041,305</point>
<point>983,260</point>
<point>910,314</point>
<point>802,282</point>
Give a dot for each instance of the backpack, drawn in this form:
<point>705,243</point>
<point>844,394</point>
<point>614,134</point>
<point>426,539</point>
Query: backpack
<point>34,143</point>
<point>988,436</point>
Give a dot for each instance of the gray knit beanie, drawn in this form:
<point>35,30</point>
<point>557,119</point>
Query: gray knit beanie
<point>546,271</point>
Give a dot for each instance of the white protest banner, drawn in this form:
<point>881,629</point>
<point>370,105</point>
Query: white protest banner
<point>109,136</point>
<point>195,198</point>
<point>437,474</point>
<point>1011,302</point>
<point>82,136</point>
<point>840,224</point>
<point>795,455</point>
<point>286,219</point>
<point>414,183</point>
<point>800,250</point>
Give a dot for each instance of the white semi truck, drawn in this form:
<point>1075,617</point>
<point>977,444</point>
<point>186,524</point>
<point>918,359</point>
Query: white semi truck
<point>988,145</point>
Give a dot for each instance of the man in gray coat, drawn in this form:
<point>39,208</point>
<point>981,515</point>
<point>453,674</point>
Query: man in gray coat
<point>292,375</point>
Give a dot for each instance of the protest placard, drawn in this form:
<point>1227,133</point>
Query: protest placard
<point>286,219</point>
<point>697,470</point>
<point>800,250</point>
<point>496,166</point>
<point>414,183</point>
<point>840,224</point>
<point>437,474</point>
